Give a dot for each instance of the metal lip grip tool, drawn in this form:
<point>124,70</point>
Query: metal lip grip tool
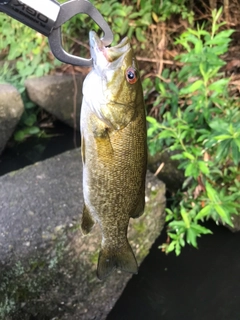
<point>47,17</point>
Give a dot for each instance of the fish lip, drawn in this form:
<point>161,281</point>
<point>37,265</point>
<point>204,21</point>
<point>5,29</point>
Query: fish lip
<point>95,41</point>
<point>111,54</point>
<point>96,44</point>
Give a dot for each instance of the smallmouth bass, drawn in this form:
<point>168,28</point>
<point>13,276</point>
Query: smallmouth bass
<point>114,151</point>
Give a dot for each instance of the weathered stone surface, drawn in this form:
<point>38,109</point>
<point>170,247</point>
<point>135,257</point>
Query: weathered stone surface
<point>11,109</point>
<point>47,268</point>
<point>56,94</point>
<point>169,174</point>
<point>236,223</point>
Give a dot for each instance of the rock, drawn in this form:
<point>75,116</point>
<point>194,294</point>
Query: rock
<point>56,94</point>
<point>169,174</point>
<point>11,109</point>
<point>47,268</point>
<point>236,223</point>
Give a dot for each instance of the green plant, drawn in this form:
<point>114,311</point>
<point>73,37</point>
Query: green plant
<point>133,18</point>
<point>200,122</point>
<point>27,48</point>
<point>28,125</point>
<point>27,52</point>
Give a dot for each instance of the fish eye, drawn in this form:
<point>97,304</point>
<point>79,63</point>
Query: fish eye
<point>131,75</point>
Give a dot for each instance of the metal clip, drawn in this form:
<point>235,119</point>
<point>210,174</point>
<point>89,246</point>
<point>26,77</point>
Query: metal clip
<point>67,11</point>
<point>47,17</point>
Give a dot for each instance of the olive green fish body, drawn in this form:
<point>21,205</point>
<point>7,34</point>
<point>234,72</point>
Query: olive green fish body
<point>114,153</point>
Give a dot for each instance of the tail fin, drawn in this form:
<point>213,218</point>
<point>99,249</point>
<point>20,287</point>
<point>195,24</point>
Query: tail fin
<point>122,259</point>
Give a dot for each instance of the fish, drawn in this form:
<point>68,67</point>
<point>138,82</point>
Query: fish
<point>114,151</point>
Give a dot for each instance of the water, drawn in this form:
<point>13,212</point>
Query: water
<point>200,284</point>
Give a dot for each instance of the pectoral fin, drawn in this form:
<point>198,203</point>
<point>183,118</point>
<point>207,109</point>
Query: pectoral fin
<point>87,221</point>
<point>122,259</point>
<point>117,115</point>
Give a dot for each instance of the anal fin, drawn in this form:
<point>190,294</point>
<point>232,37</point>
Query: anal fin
<point>122,259</point>
<point>87,221</point>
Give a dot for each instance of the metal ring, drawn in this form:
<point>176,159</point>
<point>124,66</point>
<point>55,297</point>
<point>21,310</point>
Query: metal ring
<point>67,11</point>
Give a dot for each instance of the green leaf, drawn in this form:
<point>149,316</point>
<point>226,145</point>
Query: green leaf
<point>146,19</point>
<point>223,214</point>
<point>189,169</point>
<point>29,105</point>
<point>196,85</point>
<point>165,134</point>
<point>177,156</point>
<point>152,120</point>
<point>140,36</point>
<point>191,237</point>
<point>203,167</point>
<point>192,169</point>
<point>171,246</point>
<point>177,224</point>
<point>212,193</point>
<point>178,249</point>
<point>119,12</point>
<point>162,89</point>
<point>237,141</point>
<point>124,27</point>
<point>33,130</point>
<point>198,47</point>
<point>185,217</point>
<point>173,236</point>
<point>30,120</point>
<point>204,212</point>
<point>188,155</point>
<point>235,152</point>
<point>220,211</point>
<point>19,136</point>
<point>200,229</point>
<point>223,150</point>
<point>191,88</point>
<point>134,15</point>
<point>219,85</point>
<point>181,241</point>
<point>220,38</point>
<point>223,137</point>
<point>215,124</point>
<point>203,72</point>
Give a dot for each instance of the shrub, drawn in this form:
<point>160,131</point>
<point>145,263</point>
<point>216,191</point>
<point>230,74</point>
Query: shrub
<point>201,123</point>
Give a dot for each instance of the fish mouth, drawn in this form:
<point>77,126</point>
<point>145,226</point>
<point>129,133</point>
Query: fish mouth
<point>111,54</point>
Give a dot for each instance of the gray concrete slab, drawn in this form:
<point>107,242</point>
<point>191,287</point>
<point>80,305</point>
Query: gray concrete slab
<point>47,268</point>
<point>36,200</point>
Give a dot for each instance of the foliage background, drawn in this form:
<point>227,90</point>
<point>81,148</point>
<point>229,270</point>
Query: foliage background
<point>187,54</point>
